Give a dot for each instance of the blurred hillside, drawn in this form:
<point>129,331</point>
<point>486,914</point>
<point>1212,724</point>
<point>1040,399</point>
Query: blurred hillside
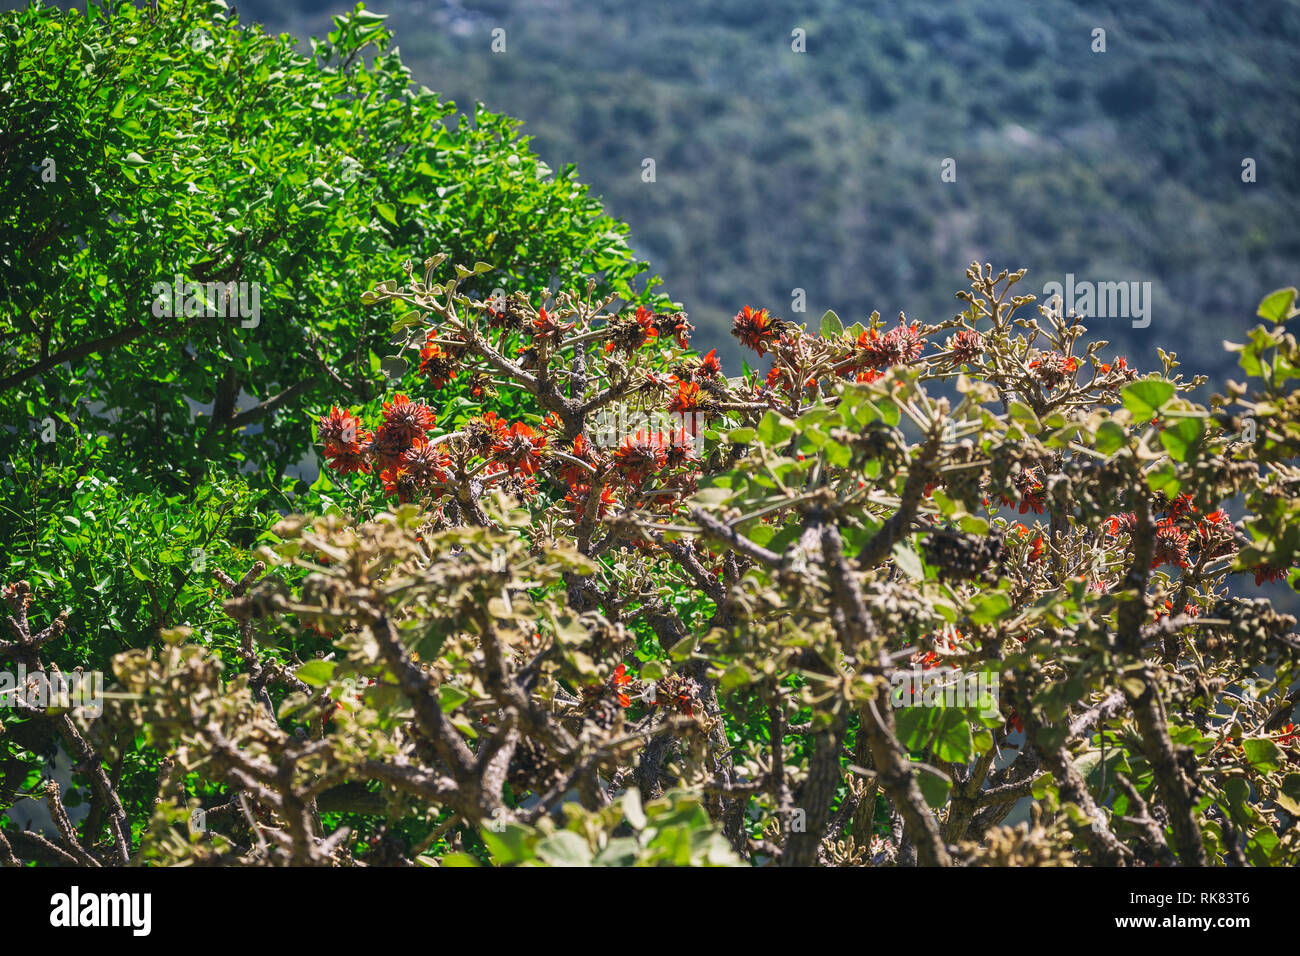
<point>778,170</point>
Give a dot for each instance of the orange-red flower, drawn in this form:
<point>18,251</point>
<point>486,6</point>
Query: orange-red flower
<point>965,347</point>
<point>1033,494</point>
<point>1014,720</point>
<point>578,495</point>
<point>339,427</point>
<point>399,482</point>
<point>687,399</point>
<point>582,450</point>
<point>389,444</point>
<point>1035,546</point>
<point>547,326</point>
<point>407,420</point>
<point>631,335</point>
<point>641,455</point>
<point>898,346</point>
<point>1267,573</point>
<point>1170,545</point>
<point>425,463</point>
<point>621,679</point>
<point>437,364</point>
<point>680,449</point>
<point>345,442</point>
<point>675,324</point>
<point>1116,523</point>
<point>349,457</point>
<point>484,431</point>
<point>520,449</point>
<point>1053,368</point>
<point>755,329</point>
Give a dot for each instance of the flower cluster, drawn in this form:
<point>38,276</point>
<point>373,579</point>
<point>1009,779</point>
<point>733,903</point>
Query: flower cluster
<point>899,346</point>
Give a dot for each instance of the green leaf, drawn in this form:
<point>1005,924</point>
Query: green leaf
<point>954,743</point>
<point>773,429</point>
<point>735,676</point>
<point>1110,438</point>
<point>1144,398</point>
<point>1289,794</point>
<point>511,845</point>
<point>1023,413</point>
<point>1180,437</point>
<point>316,673</point>
<point>633,810</point>
<point>451,697</point>
<point>652,670</point>
<point>934,788</point>
<point>1164,478</point>
<point>831,326</point>
<point>1262,753</point>
<point>565,848</point>
<point>908,561</point>
<point>387,211</point>
<point>990,607</point>
<point>1278,306</point>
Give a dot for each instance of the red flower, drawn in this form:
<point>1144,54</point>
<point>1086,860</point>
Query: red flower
<point>898,346</point>
<point>1266,573</point>
<point>629,335</point>
<point>1214,534</point>
<point>1014,720</point>
<point>1053,368</point>
<point>578,495</point>
<point>345,442</point>
<point>407,420</point>
<point>340,427</point>
<point>1170,545</point>
<point>755,329</point>
<point>680,449</point>
<point>1033,494</point>
<point>965,347</point>
<point>485,431</point>
<point>1181,507</point>
<point>675,324</point>
<point>646,319</point>
<point>686,400</point>
<point>389,444</point>
<point>621,679</point>
<point>520,449</point>
<point>641,455</point>
<point>348,457</point>
<point>572,474</point>
<point>1117,523</point>
<point>437,363</point>
<point>1189,609</point>
<point>426,463</point>
<point>709,366</point>
<point>1290,736</point>
<point>1035,546</point>
<point>546,326</point>
<point>399,482</point>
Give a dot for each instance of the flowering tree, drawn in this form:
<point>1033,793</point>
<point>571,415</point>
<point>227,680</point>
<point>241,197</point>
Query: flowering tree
<point>748,635</point>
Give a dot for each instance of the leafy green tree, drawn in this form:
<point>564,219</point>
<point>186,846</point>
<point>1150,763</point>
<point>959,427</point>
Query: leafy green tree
<point>145,148</point>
